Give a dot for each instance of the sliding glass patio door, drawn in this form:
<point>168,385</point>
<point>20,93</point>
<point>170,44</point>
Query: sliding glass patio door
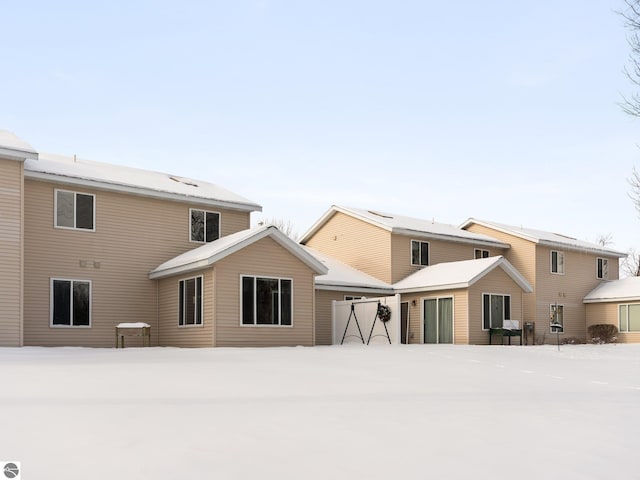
<point>438,320</point>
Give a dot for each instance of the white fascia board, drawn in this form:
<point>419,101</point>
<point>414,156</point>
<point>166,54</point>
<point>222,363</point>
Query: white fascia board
<point>433,288</point>
<point>144,192</point>
<point>354,288</point>
<point>16,154</point>
<point>449,238</point>
<point>578,248</point>
<point>189,267</point>
<point>297,251</point>
<point>510,270</point>
<point>612,300</point>
<point>318,224</point>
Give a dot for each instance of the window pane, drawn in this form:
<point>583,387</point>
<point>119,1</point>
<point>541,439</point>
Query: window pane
<point>61,302</point>
<point>424,253</point>
<point>198,300</point>
<point>286,297</point>
<point>554,262</point>
<point>189,301</point>
<point>634,318</point>
<point>181,304</point>
<point>624,325</point>
<point>64,209</point>
<point>84,211</point>
<point>81,308</point>
<point>267,301</point>
<point>415,253</point>
<point>560,262</point>
<point>486,310</point>
<point>197,225</point>
<point>497,311</point>
<point>247,301</point>
<point>213,226</point>
<point>507,307</point>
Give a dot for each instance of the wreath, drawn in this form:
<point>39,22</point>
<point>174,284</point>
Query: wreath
<point>384,312</point>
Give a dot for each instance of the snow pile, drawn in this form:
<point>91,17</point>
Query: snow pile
<point>350,412</point>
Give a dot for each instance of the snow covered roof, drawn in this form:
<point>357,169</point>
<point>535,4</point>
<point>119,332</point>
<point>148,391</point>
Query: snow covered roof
<point>625,289</point>
<point>549,239</point>
<point>13,147</point>
<point>212,252</point>
<point>83,172</point>
<point>402,225</point>
<point>452,275</point>
<point>343,277</point>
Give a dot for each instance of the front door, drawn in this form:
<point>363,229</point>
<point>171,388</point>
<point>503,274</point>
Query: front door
<point>438,320</point>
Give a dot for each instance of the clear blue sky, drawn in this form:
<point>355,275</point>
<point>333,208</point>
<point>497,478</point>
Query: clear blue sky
<point>499,110</point>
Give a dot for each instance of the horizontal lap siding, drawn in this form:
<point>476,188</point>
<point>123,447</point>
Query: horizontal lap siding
<point>607,313</point>
<point>134,234</point>
<point>264,258</point>
<point>495,282</point>
<point>11,257</point>
<point>356,243</point>
<point>460,315</point>
<point>172,335</point>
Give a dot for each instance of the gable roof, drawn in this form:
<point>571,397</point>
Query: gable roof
<point>463,274</point>
<point>106,176</point>
<point>15,148</point>
<point>343,277</point>
<point>212,252</point>
<point>544,238</point>
<point>625,289</point>
<point>401,225</point>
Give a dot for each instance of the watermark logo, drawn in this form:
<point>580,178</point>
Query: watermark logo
<point>11,470</point>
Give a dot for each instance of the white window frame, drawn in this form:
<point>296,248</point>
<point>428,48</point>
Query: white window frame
<point>75,198</point>
<point>490,294</point>
<point>626,306</point>
<point>181,291</point>
<point>551,307</point>
<point>420,264</point>
<point>559,255</point>
<point>453,320</point>
<point>52,280</point>
<point>482,252</point>
<point>205,225</point>
<point>255,306</point>
<point>604,268</point>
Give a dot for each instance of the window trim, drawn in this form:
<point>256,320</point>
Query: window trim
<point>420,250</point>
<point>202,242</point>
<point>503,295</point>
<point>255,291</point>
<point>557,252</point>
<point>453,320</point>
<point>482,253</point>
<point>627,305</point>
<point>180,292</point>
<point>75,196</point>
<point>72,280</point>
<point>551,305</point>
<point>604,268</point>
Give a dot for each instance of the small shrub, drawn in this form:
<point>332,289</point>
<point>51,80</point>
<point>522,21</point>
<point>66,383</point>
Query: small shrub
<point>603,333</point>
<point>571,341</point>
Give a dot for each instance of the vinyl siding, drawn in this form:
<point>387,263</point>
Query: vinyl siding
<point>608,313</point>
<point>324,314</point>
<point>264,258</point>
<point>499,283</point>
<point>356,243</point>
<point>133,234</point>
<point>170,334</point>
<point>11,252</point>
<point>460,314</point>
<point>440,251</point>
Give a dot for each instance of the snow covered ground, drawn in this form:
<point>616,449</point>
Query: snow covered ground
<point>382,412</point>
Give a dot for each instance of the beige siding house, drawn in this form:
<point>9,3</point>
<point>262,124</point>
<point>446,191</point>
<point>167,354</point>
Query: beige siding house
<point>616,303</point>
<point>561,270</point>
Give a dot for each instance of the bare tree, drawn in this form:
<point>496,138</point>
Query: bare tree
<point>634,182</point>
<point>631,15</point>
<point>631,264</point>
<point>285,226</point>
<point>604,239</point>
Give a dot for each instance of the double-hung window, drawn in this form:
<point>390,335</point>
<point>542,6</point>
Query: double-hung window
<point>556,315</point>
<point>557,262</point>
<point>602,268</point>
<point>419,253</point>
<point>495,310</point>
<point>480,253</point>
<point>190,302</point>
<point>267,301</point>
<point>74,210</point>
<point>70,303</point>
<point>205,226</point>
<point>629,318</point>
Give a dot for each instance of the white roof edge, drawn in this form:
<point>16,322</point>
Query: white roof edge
<point>450,238</point>
<point>145,192</point>
<point>353,288</point>
<point>612,300</point>
<point>509,269</point>
<point>548,243</point>
<point>450,286</point>
<point>18,154</point>
<point>321,221</point>
<point>269,231</point>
